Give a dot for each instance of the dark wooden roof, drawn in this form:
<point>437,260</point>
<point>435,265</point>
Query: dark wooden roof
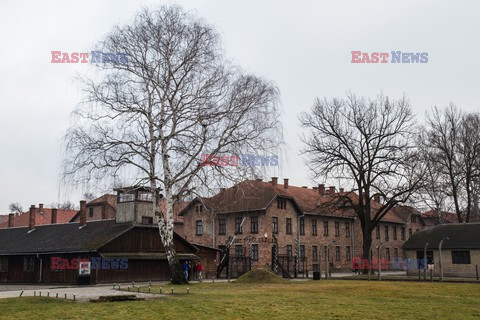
<point>56,238</point>
<point>461,236</point>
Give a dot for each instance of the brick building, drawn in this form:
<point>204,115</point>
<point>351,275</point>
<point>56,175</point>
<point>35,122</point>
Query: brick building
<point>254,217</point>
<point>42,216</point>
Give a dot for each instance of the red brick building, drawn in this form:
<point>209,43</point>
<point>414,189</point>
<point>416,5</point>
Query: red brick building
<point>42,216</point>
<point>254,217</point>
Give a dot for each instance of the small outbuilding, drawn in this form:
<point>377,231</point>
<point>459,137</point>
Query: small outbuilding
<point>460,249</point>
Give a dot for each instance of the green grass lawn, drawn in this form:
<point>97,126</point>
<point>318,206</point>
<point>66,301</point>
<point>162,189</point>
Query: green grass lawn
<point>296,300</point>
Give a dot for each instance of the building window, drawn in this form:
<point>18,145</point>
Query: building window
<point>395,233</point>
<point>377,232</point>
<point>275,225</point>
<point>413,218</point>
<point>302,226</point>
<point>222,228</point>
<point>199,228</point>
<point>3,264</point>
<point>387,236</point>
<point>325,228</point>
<point>409,232</point>
<point>199,208</point>
<point>461,257</point>
<point>387,253</point>
<point>145,196</point>
<point>254,256</point>
<point>289,225</point>
<point>395,252</point>
<point>337,229</point>
<point>238,225</point>
<point>314,253</point>
<point>314,227</point>
<point>147,220</point>
<point>126,197</point>
<point>289,251</point>
<point>238,251</point>
<point>281,204</point>
<point>325,252</point>
<point>302,251</point>
<point>90,212</point>
<point>337,253</point>
<point>347,253</point>
<point>254,224</point>
<point>347,229</point>
<point>403,233</point>
<point>28,264</point>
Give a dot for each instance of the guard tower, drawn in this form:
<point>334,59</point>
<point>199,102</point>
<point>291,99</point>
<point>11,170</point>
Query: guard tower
<point>135,204</point>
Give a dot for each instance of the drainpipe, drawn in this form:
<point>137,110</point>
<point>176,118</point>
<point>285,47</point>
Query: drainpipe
<point>298,237</point>
<point>352,232</point>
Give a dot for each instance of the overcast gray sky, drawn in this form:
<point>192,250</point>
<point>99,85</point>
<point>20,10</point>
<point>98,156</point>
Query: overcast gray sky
<point>303,46</point>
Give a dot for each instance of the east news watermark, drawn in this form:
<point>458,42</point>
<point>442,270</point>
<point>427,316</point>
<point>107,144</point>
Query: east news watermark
<point>245,160</point>
<point>84,266</point>
<point>396,264</point>
<point>389,57</point>
<point>89,57</point>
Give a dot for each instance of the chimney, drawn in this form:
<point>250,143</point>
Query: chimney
<point>321,189</point>
<point>259,180</point>
<point>40,206</point>
<point>274,181</point>
<point>54,216</point>
<point>342,190</point>
<point>331,189</point>
<point>10,219</point>
<point>83,213</point>
<point>376,197</point>
<point>285,183</point>
<point>31,221</point>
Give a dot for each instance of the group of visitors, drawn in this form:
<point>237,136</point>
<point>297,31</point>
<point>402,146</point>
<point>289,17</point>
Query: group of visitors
<point>197,270</point>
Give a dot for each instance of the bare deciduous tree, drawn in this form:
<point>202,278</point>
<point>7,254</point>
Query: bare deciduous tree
<point>368,143</point>
<point>16,208</point>
<point>451,144</point>
<point>66,205</point>
<point>175,99</point>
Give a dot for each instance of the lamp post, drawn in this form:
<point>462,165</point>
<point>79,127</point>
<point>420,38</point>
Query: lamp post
<point>440,257</point>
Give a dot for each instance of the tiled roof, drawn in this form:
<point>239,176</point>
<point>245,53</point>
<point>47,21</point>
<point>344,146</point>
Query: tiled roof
<point>110,199</point>
<point>255,195</point>
<point>42,217</point>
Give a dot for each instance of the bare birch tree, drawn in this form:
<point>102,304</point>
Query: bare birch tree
<point>153,117</point>
<point>369,143</point>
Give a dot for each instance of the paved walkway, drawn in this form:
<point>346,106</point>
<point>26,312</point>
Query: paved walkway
<point>82,294</point>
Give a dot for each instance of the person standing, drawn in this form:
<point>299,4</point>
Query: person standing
<point>185,269</point>
<point>198,270</point>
